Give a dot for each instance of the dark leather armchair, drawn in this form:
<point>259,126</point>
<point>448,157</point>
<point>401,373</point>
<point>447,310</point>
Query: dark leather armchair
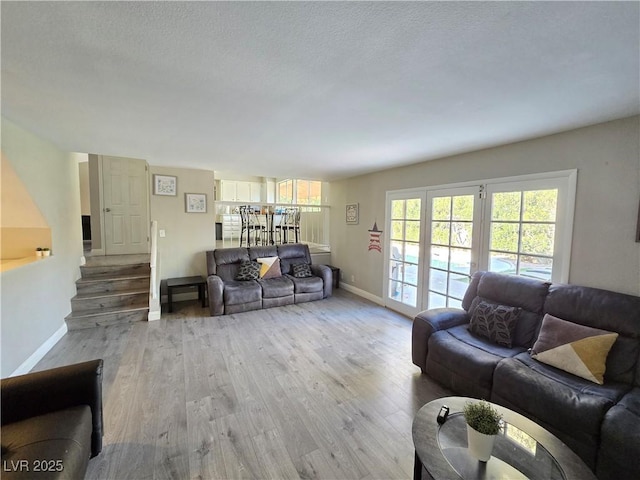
<point>54,416</point>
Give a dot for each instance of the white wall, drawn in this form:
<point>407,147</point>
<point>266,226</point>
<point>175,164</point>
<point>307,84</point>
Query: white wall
<point>36,297</point>
<point>188,235</point>
<point>604,251</point>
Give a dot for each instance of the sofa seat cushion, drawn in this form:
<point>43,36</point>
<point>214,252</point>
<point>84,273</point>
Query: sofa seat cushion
<point>464,362</point>
<point>236,292</point>
<point>570,407</point>
<point>620,439</point>
<point>307,285</point>
<point>63,436</point>
<point>276,287</point>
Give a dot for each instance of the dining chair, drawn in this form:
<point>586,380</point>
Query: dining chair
<point>289,222</point>
<point>252,226</point>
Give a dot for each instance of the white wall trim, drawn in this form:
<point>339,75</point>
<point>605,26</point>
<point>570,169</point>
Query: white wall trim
<point>512,178</point>
<point>31,362</point>
<point>154,310</point>
<point>362,293</point>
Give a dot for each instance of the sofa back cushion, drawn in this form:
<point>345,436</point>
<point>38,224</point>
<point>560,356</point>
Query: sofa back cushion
<point>291,254</point>
<point>512,291</point>
<point>611,311</point>
<point>263,252</point>
<point>227,261</point>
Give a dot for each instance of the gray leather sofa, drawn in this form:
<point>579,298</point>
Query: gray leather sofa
<point>601,423</point>
<point>229,295</point>
<point>52,422</point>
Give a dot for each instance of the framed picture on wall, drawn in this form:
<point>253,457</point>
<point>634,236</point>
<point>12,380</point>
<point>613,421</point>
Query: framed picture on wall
<point>165,185</point>
<point>195,202</point>
<point>352,213</point>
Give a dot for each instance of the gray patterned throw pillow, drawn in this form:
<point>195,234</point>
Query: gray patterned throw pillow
<point>495,322</point>
<point>248,271</point>
<point>301,270</point>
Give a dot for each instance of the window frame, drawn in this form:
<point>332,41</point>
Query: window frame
<point>564,180</point>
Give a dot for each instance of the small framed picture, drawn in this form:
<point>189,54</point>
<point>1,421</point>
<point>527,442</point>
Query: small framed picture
<point>352,214</point>
<point>165,185</point>
<point>195,202</point>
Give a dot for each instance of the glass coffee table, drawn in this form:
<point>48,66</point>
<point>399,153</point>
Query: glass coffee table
<point>523,450</point>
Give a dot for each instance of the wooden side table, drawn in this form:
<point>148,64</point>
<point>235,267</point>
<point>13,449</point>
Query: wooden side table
<point>186,282</point>
<point>336,276</point>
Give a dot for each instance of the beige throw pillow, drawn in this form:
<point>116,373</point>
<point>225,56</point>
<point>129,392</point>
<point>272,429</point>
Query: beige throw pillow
<point>269,267</point>
<point>574,348</point>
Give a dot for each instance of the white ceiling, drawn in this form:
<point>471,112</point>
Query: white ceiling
<point>313,90</point>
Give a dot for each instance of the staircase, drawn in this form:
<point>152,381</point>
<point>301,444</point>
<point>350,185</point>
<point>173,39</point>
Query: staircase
<point>112,290</point>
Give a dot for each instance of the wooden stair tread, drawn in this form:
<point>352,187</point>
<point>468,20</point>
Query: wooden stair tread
<point>111,277</point>
<point>117,260</point>
<point>112,290</point>
<point>107,310</point>
<point>90,296</point>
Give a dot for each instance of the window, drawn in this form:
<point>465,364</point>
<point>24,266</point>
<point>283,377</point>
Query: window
<point>305,192</point>
<point>308,192</point>
<point>285,191</point>
<point>529,228</point>
<point>522,232</point>
<point>519,226</point>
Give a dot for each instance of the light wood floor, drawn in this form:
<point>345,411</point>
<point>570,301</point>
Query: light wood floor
<point>324,389</point>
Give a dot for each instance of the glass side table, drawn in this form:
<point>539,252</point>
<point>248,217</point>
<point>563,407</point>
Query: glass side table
<point>523,450</point>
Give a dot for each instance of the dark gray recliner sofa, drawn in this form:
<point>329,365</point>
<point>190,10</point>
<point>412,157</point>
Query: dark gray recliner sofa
<point>601,423</point>
<point>228,295</point>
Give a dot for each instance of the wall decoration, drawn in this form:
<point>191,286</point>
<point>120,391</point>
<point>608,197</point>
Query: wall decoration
<point>352,214</point>
<point>165,185</point>
<point>374,238</point>
<point>195,202</point>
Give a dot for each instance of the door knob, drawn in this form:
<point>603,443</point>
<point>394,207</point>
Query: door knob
<point>107,209</point>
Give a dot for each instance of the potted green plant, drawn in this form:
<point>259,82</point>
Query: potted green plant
<point>39,252</point>
<point>46,252</point>
<point>483,424</point>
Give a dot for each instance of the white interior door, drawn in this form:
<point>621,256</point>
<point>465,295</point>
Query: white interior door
<point>125,205</point>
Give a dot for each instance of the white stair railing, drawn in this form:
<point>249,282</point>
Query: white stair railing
<point>154,284</point>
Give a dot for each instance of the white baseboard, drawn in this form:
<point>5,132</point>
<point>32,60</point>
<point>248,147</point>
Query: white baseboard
<point>362,293</point>
<point>31,362</point>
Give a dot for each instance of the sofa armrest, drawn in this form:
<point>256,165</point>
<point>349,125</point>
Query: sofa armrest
<point>326,274</point>
<point>215,285</point>
<point>39,393</point>
<point>428,322</point>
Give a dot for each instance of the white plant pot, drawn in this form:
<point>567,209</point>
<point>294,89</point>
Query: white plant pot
<point>38,253</point>
<point>46,253</point>
<point>480,445</point>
